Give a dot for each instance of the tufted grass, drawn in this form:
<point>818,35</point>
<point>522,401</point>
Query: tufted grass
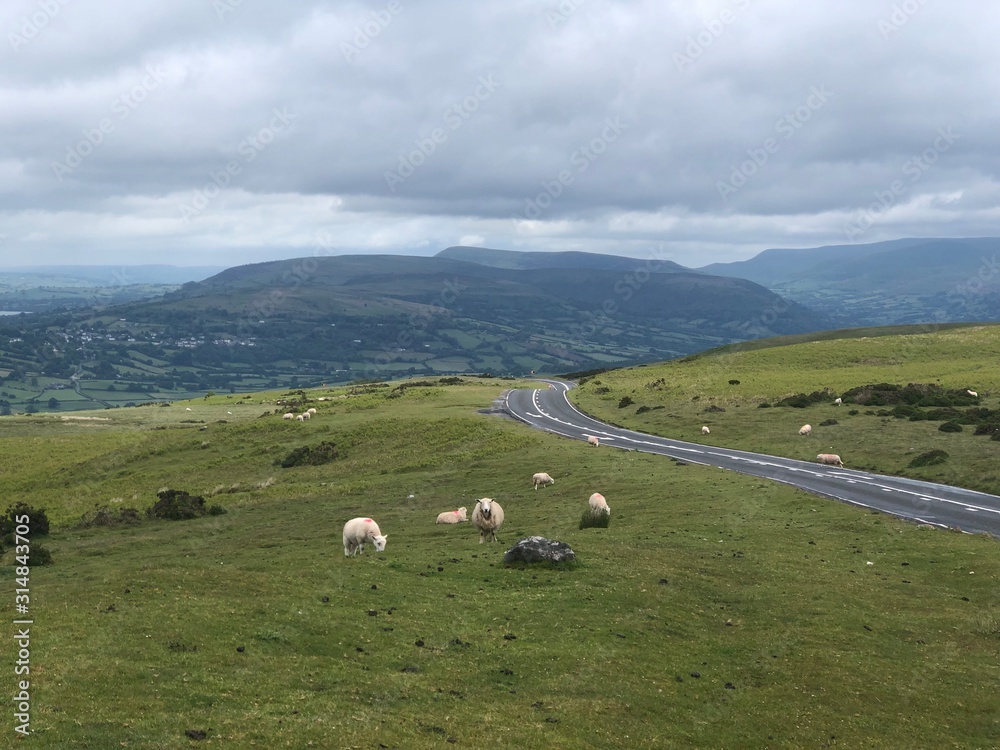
<point>434,643</point>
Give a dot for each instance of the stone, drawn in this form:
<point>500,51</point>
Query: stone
<point>536,549</point>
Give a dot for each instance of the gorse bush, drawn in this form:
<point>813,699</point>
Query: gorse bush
<point>305,455</point>
<point>930,458</point>
<point>106,516</point>
<point>38,522</point>
<point>177,505</point>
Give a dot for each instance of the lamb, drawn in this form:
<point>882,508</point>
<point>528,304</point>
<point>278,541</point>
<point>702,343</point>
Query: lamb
<point>301,418</point>
<point>805,429</point>
<point>452,516</point>
<point>705,430</point>
<point>831,459</point>
<point>593,440</point>
<point>541,478</point>
<point>289,415</point>
<point>973,394</point>
<point>487,516</point>
<point>838,401</point>
<point>598,504</point>
<point>359,531</point>
<point>311,410</point>
<point>305,415</point>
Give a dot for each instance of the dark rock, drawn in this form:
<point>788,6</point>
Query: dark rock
<point>868,629</point>
<point>241,649</point>
<point>374,587</point>
<point>195,734</point>
<point>372,612</point>
<point>730,686</point>
<point>325,599</point>
<point>536,549</point>
<point>419,644</point>
<point>696,674</point>
<point>663,581</point>
<point>509,637</point>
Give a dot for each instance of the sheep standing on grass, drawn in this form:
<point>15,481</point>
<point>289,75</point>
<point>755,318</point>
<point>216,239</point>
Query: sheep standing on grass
<point>598,504</point>
<point>311,410</point>
<point>487,516</point>
<point>358,532</point>
<point>705,430</point>
<point>305,415</point>
<point>838,401</point>
<point>805,429</point>
<point>301,418</point>
<point>593,440</point>
<point>541,478</point>
<point>452,516</point>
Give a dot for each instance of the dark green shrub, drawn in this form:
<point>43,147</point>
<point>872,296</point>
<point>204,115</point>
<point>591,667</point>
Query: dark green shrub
<point>177,505</point>
<point>105,516</point>
<point>930,458</point>
<point>642,410</point>
<point>317,455</point>
<point>763,405</point>
<point>595,519</point>
<point>38,555</point>
<point>853,413</point>
<point>828,423</point>
<point>713,408</point>
<point>988,428</point>
<point>734,382</point>
<point>216,510</point>
<point>950,427</point>
<point>38,522</point>
<point>802,400</point>
<point>625,401</point>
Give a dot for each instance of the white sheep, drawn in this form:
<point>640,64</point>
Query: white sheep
<point>838,401</point>
<point>487,516</point>
<point>973,394</point>
<point>305,415</point>
<point>359,531</point>
<point>705,430</point>
<point>593,440</point>
<point>289,415</point>
<point>541,478</point>
<point>805,429</point>
<point>598,504</point>
<point>301,418</point>
<point>453,516</point>
<point>831,459</point>
<point>311,410</point>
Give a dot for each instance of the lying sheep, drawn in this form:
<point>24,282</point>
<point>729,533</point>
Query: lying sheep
<point>705,430</point>
<point>598,504</point>
<point>487,516</point>
<point>831,459</point>
<point>359,531</point>
<point>452,516</point>
<point>593,440</point>
<point>289,415</point>
<point>805,429</point>
<point>541,478</point>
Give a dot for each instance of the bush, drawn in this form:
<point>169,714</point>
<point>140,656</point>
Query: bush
<point>828,423</point>
<point>853,413</point>
<point>177,505</point>
<point>216,510</point>
<point>625,401</point>
<point>802,400</point>
<point>38,522</point>
<point>950,427</point>
<point>930,458</point>
<point>38,555</point>
<point>763,405</point>
<point>105,516</point>
<point>734,382</point>
<point>595,519</point>
<point>713,408</point>
<point>320,454</point>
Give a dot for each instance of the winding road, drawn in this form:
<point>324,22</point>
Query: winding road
<point>549,409</point>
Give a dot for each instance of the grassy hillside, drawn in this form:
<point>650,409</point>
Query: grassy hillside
<point>676,398</point>
<point>717,610</point>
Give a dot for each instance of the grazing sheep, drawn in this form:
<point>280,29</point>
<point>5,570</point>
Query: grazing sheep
<point>311,410</point>
<point>359,531</point>
<point>805,429</point>
<point>305,415</point>
<point>598,503</point>
<point>831,459</point>
<point>973,394</point>
<point>593,440</point>
<point>301,418</point>
<point>289,415</point>
<point>838,401</point>
<point>452,516</point>
<point>487,516</point>
<point>541,478</point>
<point>705,430</point>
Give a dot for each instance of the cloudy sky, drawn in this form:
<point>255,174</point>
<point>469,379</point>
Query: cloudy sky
<point>220,132</point>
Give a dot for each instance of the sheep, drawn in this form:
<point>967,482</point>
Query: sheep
<point>301,418</point>
<point>358,531</point>
<point>705,430</point>
<point>973,394</point>
<point>487,516</point>
<point>289,415</point>
<point>805,429</point>
<point>541,478</point>
<point>838,401</point>
<point>452,516</point>
<point>831,459</point>
<point>305,415</point>
<point>598,504</point>
<point>593,440</point>
<point>311,410</point>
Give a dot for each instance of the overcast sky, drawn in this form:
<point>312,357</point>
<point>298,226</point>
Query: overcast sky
<point>220,132</point>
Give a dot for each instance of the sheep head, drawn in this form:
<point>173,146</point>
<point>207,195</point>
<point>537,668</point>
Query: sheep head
<point>379,542</point>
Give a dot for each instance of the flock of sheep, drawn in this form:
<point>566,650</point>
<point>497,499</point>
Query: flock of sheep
<point>487,517</point>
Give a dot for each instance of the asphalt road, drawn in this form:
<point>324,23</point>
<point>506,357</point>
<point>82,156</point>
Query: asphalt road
<point>549,409</point>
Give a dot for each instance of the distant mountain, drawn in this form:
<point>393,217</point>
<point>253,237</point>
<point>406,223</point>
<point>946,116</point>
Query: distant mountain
<point>110,275</point>
<point>520,260</point>
<point>884,283</point>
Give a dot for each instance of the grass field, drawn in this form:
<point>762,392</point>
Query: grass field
<point>717,610</point>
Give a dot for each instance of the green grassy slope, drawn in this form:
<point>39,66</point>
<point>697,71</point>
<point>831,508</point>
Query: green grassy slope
<point>717,610</point>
